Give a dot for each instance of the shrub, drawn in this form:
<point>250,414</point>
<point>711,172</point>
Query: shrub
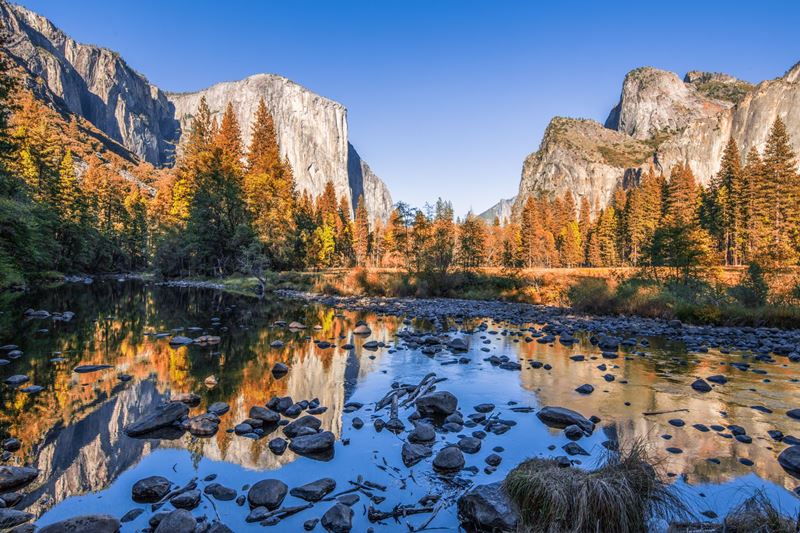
<point>758,514</point>
<point>753,290</point>
<point>591,295</point>
<point>623,495</point>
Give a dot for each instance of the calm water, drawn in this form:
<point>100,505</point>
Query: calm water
<point>72,430</point>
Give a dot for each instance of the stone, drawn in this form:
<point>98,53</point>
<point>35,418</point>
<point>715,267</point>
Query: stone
<point>186,500</point>
<point>178,521</point>
<point>218,408</point>
<point>205,425</point>
<point>164,415</point>
<point>277,445</point>
<point>308,422</point>
<point>436,403</point>
<point>11,517</point>
<point>469,444</point>
<point>85,369</point>
<point>314,491</point>
<point>362,329</point>
<point>16,380</point>
<point>585,389</point>
<point>150,489</point>
<point>16,477</point>
<point>414,453</point>
<point>180,340</point>
<point>338,519</point>
<point>422,432</point>
<point>449,459</point>
<point>700,385</point>
<point>573,448</point>
<point>488,508</point>
<point>789,459</point>
<point>267,493</point>
<point>84,524</point>
<point>573,432</point>
<point>220,492</point>
<point>264,414</point>
<point>279,369</point>
<point>318,443</point>
<point>561,417</point>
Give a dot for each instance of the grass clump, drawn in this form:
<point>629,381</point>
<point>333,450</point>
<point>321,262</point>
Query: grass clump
<point>624,495</point>
<point>757,514</point>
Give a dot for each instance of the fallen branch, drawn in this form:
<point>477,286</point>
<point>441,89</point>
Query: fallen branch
<point>650,413</point>
<point>376,515</point>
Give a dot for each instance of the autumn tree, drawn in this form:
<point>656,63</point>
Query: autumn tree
<point>471,241</point>
<point>361,233</point>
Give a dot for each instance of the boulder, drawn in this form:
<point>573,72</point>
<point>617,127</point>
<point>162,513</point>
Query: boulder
<point>789,459</point>
<point>265,414</point>
<point>267,493</point>
<point>11,517</point>
<point>488,508</point>
<point>561,417</point>
<point>220,492</point>
<point>96,523</point>
<point>308,421</point>
<point>436,403</point>
<point>414,453</point>
<point>314,491</point>
<point>362,329</point>
<point>150,489</point>
<point>317,443</point>
<point>338,519</point>
<point>178,521</point>
<point>16,477</point>
<point>449,459</point>
<point>700,385</point>
<point>164,415</point>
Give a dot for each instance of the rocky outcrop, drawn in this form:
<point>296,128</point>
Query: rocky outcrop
<point>501,210</point>
<point>97,84</point>
<point>583,157</point>
<point>660,120</point>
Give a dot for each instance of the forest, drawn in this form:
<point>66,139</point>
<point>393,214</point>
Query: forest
<point>72,202</point>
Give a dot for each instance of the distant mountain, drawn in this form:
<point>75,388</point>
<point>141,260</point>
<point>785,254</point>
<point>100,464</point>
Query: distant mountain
<point>660,120</point>
<point>500,210</point>
<point>98,85</point>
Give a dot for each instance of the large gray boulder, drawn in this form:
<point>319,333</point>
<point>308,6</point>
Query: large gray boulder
<point>338,519</point>
<point>561,417</point>
<point>97,523</point>
<point>16,477</point>
<point>267,493</point>
<point>437,403</point>
<point>488,508</point>
<point>789,459</point>
<point>164,416</point>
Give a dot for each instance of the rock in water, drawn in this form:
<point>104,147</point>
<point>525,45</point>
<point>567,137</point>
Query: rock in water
<point>97,523</point>
<point>449,459</point>
<point>488,508</point>
<point>700,385</point>
<point>338,519</point>
<point>314,491</point>
<point>150,489</point>
<point>267,493</point>
<point>11,517</point>
<point>16,477</point>
<point>561,417</point>
<point>308,421</point>
<point>319,443</point>
<point>164,415</point>
<point>178,521</point>
<point>414,453</point>
<point>436,403</point>
<point>789,459</point>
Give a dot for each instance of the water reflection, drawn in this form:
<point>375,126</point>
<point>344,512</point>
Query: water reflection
<point>72,429</point>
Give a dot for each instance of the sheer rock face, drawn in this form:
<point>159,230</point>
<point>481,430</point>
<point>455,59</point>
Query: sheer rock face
<point>583,157</point>
<point>660,120</point>
<point>98,85</point>
<point>501,210</point>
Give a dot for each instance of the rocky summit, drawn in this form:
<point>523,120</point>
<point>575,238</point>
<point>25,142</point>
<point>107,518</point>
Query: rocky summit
<point>661,120</point>
<point>97,84</point>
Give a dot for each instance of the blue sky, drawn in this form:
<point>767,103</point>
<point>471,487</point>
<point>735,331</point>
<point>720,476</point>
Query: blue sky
<point>445,98</point>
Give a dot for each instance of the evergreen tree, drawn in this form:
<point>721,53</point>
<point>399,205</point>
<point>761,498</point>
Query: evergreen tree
<point>361,233</point>
<point>682,199</point>
<point>779,197</point>
<point>471,242</point>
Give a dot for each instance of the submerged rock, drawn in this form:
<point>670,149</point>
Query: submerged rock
<point>150,489</point>
<point>561,417</point>
<point>314,491</point>
<point>338,519</point>
<point>436,403</point>
<point>178,521</point>
<point>414,453</point>
<point>267,493</point>
<point>449,459</point>
<point>318,443</point>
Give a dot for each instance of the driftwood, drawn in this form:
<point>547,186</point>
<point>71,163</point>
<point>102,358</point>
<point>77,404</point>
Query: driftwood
<point>376,515</point>
<point>650,413</point>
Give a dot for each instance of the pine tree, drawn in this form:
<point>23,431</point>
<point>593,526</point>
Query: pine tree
<point>361,233</point>
<point>471,242</point>
<point>754,214</point>
<point>722,206</point>
<point>229,141</point>
<point>682,199</point>
<point>69,194</point>
<point>779,196</point>
<point>571,245</point>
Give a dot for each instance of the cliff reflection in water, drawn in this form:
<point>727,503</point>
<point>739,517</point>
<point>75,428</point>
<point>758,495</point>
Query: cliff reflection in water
<point>72,430</point>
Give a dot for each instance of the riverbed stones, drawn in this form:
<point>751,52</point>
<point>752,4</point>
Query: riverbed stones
<point>488,508</point>
<point>277,445</point>
<point>164,415</point>
<point>97,523</point>
<point>561,417</point>
<point>16,477</point>
<point>436,403</point>
<point>218,408</point>
<point>362,329</point>
<point>86,369</point>
<point>279,369</point>
<point>268,493</point>
<point>338,519</point>
<point>178,521</point>
<point>414,453</point>
<point>585,389</point>
<point>205,425</point>
<point>150,489</point>
<point>319,443</point>
<point>16,380</point>
<point>449,459</point>
<point>180,340</point>
<point>469,444</point>
<point>793,413</point>
<point>573,432</point>
<point>573,448</point>
<point>789,459</point>
<point>314,491</point>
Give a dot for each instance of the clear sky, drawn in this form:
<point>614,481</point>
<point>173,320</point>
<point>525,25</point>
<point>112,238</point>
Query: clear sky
<point>445,98</point>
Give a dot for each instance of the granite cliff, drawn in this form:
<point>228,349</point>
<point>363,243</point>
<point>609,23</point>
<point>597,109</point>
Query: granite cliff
<point>660,120</point>
<point>98,85</point>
